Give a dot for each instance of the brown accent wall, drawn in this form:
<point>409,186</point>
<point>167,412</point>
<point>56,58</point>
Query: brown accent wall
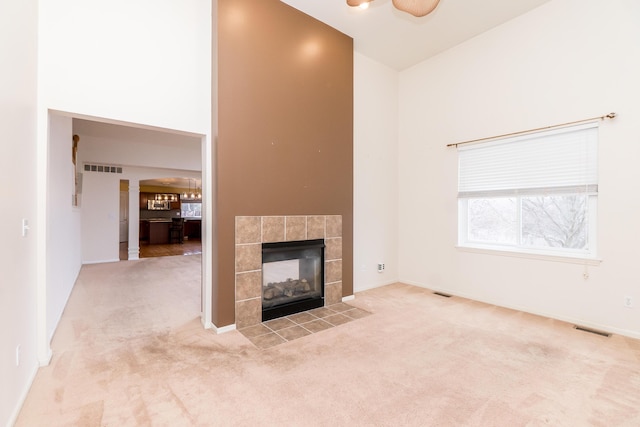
<point>285,127</point>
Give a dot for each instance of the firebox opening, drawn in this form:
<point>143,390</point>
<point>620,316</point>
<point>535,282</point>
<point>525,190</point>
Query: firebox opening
<point>292,277</point>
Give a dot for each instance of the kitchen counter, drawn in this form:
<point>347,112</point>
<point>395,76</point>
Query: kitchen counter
<point>192,228</point>
<point>158,230</point>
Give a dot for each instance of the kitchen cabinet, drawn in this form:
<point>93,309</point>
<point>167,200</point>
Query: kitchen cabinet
<point>176,203</point>
<point>144,230</point>
<point>192,228</point>
<point>159,232</point>
<point>145,197</point>
<point>143,200</point>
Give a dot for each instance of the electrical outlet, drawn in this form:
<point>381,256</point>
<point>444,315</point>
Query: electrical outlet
<point>628,302</point>
<point>18,355</point>
<point>380,267</point>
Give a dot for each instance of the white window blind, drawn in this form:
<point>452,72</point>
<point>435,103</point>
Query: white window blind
<point>551,162</point>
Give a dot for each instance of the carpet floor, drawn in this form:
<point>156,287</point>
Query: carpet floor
<point>130,351</point>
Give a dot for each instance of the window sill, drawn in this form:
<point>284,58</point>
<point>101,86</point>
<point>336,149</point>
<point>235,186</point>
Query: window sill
<point>531,255</point>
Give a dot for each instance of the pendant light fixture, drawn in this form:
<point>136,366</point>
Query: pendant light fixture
<point>185,195</point>
<point>417,8</point>
<point>192,195</point>
<point>164,197</point>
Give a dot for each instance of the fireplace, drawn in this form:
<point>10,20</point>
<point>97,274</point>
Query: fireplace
<point>254,231</point>
<point>292,277</point>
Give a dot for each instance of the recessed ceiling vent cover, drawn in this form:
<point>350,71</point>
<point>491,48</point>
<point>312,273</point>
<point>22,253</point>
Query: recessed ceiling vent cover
<point>592,331</point>
<point>102,168</point>
<point>441,294</point>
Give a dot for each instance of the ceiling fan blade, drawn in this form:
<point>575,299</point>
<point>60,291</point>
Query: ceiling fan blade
<point>416,7</point>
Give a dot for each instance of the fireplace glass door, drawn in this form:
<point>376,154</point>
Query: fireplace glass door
<point>292,277</point>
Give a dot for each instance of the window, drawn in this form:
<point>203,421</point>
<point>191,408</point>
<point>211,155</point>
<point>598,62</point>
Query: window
<point>191,210</point>
<point>535,193</point>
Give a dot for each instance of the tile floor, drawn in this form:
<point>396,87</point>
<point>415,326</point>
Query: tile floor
<point>288,328</point>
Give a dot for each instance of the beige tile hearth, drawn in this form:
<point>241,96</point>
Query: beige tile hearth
<point>252,231</point>
<point>303,317</point>
<point>248,229</point>
<point>321,312</point>
<point>294,326</point>
<point>293,332</point>
<point>272,228</point>
<point>334,226</point>
<point>341,307</point>
<point>338,319</point>
<point>249,312</point>
<point>333,293</point>
<point>266,341</point>
<point>280,323</point>
<point>317,325</point>
<point>248,257</point>
<point>296,228</point>
<point>315,227</point>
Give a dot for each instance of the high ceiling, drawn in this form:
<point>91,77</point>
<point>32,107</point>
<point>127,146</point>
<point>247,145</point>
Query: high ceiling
<point>381,32</point>
<point>400,40</point>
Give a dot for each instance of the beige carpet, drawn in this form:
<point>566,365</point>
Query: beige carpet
<point>130,351</point>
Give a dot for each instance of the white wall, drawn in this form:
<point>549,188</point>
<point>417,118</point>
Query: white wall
<point>63,235</point>
<point>567,60</point>
<point>18,50</point>
<point>375,172</point>
<point>102,143</point>
<point>143,61</point>
<point>100,217</point>
<point>146,62</point>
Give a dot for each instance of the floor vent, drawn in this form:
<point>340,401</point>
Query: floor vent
<point>440,294</point>
<point>592,331</point>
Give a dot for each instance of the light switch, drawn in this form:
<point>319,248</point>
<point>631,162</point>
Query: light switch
<point>25,227</point>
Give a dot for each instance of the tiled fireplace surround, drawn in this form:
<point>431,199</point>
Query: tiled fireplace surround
<point>252,231</point>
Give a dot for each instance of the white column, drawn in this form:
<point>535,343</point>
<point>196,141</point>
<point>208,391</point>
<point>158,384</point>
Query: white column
<point>134,219</point>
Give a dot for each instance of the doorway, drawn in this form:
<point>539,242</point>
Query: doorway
<point>124,212</point>
<point>71,124</point>
<point>170,216</point>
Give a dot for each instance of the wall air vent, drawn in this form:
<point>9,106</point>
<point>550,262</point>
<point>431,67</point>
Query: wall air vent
<point>102,168</point>
<point>440,294</point>
<point>592,331</point>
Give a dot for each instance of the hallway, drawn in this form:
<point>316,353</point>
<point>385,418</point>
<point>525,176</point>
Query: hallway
<point>189,247</point>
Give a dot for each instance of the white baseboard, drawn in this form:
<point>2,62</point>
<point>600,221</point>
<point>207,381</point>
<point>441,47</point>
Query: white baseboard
<point>47,360</point>
<point>360,288</point>
<point>348,298</point>
<point>23,396</point>
<point>223,329</point>
<point>568,319</point>
<point>104,261</point>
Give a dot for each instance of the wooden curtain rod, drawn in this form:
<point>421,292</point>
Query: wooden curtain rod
<point>606,116</point>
